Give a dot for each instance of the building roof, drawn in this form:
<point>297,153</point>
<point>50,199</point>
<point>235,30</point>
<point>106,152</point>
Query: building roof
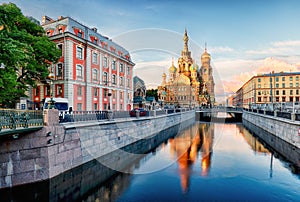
<point>70,23</point>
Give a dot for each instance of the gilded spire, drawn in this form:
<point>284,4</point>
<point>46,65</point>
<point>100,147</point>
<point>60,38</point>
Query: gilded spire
<point>186,40</point>
<point>205,49</point>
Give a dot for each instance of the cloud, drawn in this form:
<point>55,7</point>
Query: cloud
<point>278,48</point>
<point>221,49</point>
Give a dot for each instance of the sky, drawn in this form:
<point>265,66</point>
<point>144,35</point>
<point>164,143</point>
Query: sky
<point>243,37</point>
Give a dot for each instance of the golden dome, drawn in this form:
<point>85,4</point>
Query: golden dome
<point>205,54</point>
<point>172,69</point>
<point>164,75</point>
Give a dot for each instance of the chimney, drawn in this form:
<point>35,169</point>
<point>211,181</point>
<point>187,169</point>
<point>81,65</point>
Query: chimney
<point>94,29</point>
<point>46,19</point>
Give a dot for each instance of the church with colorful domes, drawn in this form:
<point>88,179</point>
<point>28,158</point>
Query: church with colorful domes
<point>187,84</point>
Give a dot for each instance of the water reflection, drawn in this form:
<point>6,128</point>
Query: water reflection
<point>239,160</point>
<point>186,146</point>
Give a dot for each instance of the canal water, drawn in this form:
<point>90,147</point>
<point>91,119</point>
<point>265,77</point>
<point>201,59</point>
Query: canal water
<point>203,162</point>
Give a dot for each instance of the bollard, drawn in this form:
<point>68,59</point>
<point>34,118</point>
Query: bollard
<point>137,113</point>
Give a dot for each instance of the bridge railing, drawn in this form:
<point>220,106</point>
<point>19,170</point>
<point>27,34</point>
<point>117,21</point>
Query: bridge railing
<point>13,118</point>
<point>294,116</point>
<point>77,116</point>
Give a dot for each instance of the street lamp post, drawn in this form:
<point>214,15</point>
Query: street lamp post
<point>51,103</point>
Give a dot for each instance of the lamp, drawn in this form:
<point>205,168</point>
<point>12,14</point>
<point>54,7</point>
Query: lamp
<point>51,103</point>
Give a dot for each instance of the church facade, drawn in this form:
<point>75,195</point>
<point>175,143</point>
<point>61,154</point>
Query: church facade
<point>188,85</point>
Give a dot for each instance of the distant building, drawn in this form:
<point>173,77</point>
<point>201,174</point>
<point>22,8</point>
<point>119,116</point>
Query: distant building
<point>188,85</point>
<point>93,71</point>
<point>139,92</point>
<point>270,88</point>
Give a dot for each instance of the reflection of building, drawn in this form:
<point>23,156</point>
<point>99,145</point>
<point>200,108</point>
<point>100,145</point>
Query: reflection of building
<point>188,85</point>
<point>270,88</point>
<point>186,146</point>
<point>91,67</point>
<point>139,90</point>
<point>252,140</point>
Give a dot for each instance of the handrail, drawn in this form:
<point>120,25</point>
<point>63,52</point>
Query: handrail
<point>14,118</point>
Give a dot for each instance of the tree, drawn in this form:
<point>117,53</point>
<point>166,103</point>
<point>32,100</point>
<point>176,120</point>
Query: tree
<point>152,93</point>
<point>25,54</point>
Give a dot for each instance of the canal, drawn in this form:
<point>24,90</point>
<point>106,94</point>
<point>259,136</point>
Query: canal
<point>203,162</point>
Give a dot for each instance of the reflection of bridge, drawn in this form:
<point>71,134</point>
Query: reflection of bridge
<point>208,113</point>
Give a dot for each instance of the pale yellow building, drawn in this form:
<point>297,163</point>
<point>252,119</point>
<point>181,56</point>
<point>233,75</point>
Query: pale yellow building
<point>271,88</point>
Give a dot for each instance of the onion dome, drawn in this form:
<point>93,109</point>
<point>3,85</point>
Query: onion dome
<point>172,69</point>
<point>194,68</point>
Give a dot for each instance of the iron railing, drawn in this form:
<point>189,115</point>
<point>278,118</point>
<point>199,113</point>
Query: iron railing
<point>12,118</point>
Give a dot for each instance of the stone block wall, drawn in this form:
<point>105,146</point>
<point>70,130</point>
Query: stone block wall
<point>284,129</point>
<point>57,148</point>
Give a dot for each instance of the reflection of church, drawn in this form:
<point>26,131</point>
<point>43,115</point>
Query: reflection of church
<point>188,86</point>
<point>190,145</point>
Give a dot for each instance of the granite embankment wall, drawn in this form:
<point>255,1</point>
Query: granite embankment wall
<point>284,129</point>
<point>57,148</point>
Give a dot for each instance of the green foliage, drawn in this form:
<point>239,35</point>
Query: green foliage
<point>25,52</point>
<point>152,93</point>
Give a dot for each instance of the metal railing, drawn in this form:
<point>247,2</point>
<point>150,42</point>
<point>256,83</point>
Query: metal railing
<point>12,118</point>
<point>280,114</point>
<point>77,116</point>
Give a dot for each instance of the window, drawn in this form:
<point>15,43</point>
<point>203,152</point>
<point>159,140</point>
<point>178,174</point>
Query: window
<point>259,99</point>
<point>277,99</point>
<point>121,67</point>
<point>79,52</point>
<point>47,91</point>
<point>259,93</point>
<point>283,78</point>
<point>297,84</point>
<point>79,91</point>
<point>79,71</point>
<point>297,92</point>
<point>60,30</point>
<point>95,41</point>
<point>95,75</point>
<point>79,34</point>
<point>105,106</point>
<point>277,85</point>
<point>297,78</point>
<point>291,84</point>
<point>95,58</point>
<point>128,83</point>
<point>291,99</point>
<point>114,79</point>
<point>59,90</point>
<point>105,61</point>
<point>36,91</point>
<point>258,85</point>
<point>114,94</point>
<point>79,106</point>
<point>283,99</point>
<point>105,92</point>
<point>60,47</point>
<point>113,64</point>
<point>283,92</point>
<point>258,80</point>
<point>105,77</point>
<point>271,79</point>
<point>95,92</point>
<point>121,81</point>
<point>283,85</point>
<point>59,70</point>
<point>121,107</point>
<point>121,95</point>
<point>95,106</point>
<point>277,92</point>
<point>291,78</point>
<point>291,92</point>
<point>276,79</point>
<point>128,70</point>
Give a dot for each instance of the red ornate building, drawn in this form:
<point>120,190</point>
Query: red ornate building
<point>93,72</point>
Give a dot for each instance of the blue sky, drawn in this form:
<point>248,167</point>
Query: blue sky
<point>243,37</point>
